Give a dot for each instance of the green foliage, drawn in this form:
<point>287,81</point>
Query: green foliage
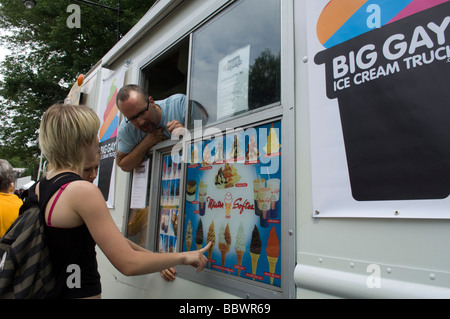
<point>47,57</point>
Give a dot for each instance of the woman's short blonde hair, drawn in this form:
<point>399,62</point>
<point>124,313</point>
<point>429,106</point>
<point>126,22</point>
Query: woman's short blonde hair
<point>64,130</point>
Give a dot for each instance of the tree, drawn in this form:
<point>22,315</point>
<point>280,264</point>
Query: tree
<point>48,54</point>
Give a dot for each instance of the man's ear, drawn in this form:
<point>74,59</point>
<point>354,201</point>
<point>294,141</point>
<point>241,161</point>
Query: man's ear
<point>151,100</point>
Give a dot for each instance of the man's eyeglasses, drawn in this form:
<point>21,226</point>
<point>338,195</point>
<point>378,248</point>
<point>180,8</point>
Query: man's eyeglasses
<point>134,118</point>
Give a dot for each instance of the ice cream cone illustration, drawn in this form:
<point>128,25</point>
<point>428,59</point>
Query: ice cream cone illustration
<point>218,157</point>
<point>194,155</point>
<point>236,150</point>
<point>188,245</point>
<point>272,263</point>
<point>199,235</point>
<point>188,236</point>
<point>211,237</point>
<point>273,251</point>
<point>224,242</point>
<point>239,255</point>
<point>240,246</point>
<point>206,156</point>
<point>228,201</point>
<point>273,144</point>
<point>255,249</point>
<point>255,258</point>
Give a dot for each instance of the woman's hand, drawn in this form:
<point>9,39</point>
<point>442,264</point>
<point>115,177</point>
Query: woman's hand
<point>197,258</point>
<point>168,274</point>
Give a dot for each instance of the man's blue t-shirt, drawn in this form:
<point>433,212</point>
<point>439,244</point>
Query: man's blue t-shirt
<point>172,108</point>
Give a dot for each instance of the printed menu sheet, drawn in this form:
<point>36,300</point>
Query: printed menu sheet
<point>233,188</point>
<point>169,203</point>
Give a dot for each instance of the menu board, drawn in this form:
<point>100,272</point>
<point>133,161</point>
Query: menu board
<point>137,230</point>
<point>169,203</point>
<point>233,185</point>
<point>232,84</point>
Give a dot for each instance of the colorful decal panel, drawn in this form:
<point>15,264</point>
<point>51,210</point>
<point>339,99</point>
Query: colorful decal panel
<point>381,112</point>
<point>169,203</point>
<point>233,189</point>
<point>345,19</point>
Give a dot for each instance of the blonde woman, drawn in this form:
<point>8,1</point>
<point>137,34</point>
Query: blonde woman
<point>78,219</point>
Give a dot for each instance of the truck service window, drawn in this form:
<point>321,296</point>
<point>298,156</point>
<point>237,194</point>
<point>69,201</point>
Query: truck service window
<point>236,62</point>
<point>167,75</point>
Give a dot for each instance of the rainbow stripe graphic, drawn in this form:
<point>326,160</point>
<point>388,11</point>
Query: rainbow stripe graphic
<point>110,117</point>
<point>342,20</point>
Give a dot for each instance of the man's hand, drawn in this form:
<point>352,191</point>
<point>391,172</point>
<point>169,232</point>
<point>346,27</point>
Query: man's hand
<point>155,137</point>
<point>174,127</point>
<point>128,162</point>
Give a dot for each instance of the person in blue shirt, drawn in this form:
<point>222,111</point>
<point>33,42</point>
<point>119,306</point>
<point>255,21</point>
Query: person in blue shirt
<point>147,122</point>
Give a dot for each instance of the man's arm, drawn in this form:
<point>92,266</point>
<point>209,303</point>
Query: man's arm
<point>128,162</point>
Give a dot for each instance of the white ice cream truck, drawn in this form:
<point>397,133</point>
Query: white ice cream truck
<point>316,155</point>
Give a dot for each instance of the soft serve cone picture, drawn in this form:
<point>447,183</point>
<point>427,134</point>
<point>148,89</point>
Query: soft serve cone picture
<point>211,237</point>
<point>255,249</point>
<point>189,236</point>
<point>224,242</point>
<point>273,252</point>
<point>273,143</point>
<point>199,235</point>
<point>240,247</point>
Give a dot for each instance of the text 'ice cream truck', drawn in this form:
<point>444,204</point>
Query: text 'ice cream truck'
<point>315,156</point>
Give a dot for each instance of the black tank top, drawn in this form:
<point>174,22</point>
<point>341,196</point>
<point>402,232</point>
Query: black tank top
<point>72,250</point>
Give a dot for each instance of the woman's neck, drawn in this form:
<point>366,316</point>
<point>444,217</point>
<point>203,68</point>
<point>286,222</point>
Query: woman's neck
<point>53,173</point>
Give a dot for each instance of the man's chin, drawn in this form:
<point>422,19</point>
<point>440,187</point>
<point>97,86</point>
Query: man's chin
<point>146,129</point>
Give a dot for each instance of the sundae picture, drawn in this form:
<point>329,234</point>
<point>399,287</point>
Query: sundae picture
<point>236,150</point>
<point>257,185</point>
<point>224,242</point>
<point>226,177</point>
<point>252,153</point>
<point>191,189</point>
<point>274,185</point>
<point>264,204</point>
